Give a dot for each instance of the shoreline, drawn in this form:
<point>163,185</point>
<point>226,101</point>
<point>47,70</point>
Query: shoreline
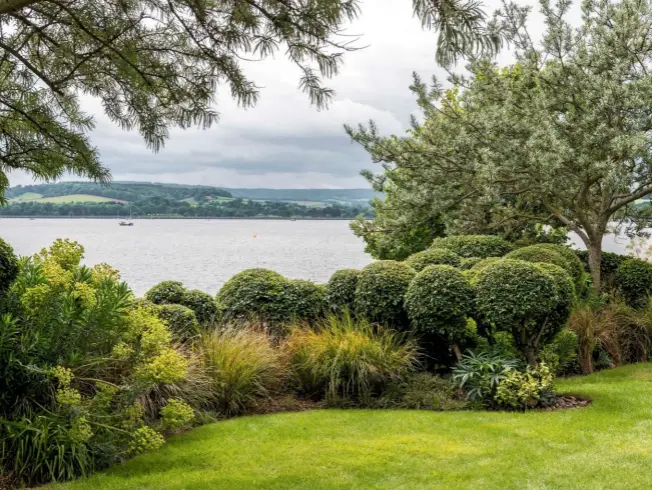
<point>135,218</point>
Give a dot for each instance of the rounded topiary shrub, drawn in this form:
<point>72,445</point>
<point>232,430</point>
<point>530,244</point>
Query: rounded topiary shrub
<point>166,292</point>
<point>306,299</point>
<point>477,268</point>
<point>203,304</point>
<point>255,294</point>
<point>181,321</point>
<point>551,254</point>
<point>438,300</point>
<point>565,298</point>
<point>517,297</point>
<point>634,281</point>
<point>8,266</point>
<point>481,246</point>
<point>432,256</point>
<point>466,264</point>
<point>380,292</point>
<point>575,266</point>
<point>340,290</point>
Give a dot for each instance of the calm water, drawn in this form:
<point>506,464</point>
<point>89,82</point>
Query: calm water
<point>203,254</point>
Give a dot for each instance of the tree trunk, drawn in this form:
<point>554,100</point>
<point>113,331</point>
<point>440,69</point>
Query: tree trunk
<point>531,355</point>
<point>595,259</point>
<point>458,352</point>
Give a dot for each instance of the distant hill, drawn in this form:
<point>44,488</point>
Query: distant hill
<point>176,200</point>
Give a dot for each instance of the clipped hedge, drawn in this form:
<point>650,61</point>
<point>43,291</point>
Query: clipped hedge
<point>8,266</point>
<point>517,297</point>
<point>538,254</point>
<point>203,304</point>
<point>608,266</point>
<point>466,264</point>
<point>634,281</point>
<point>340,290</point>
<point>438,300</point>
<point>306,299</point>
<point>181,321</point>
<point>166,292</point>
<point>380,292</point>
<point>575,266</point>
<point>432,256</point>
<point>566,297</point>
<point>255,294</point>
<point>481,246</point>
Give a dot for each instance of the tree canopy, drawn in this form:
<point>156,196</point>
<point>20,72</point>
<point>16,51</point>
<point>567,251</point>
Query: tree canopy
<point>560,137</point>
<point>155,64</point>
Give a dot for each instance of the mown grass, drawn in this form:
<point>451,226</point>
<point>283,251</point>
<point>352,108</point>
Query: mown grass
<point>607,445</point>
<point>26,196</point>
<point>72,198</point>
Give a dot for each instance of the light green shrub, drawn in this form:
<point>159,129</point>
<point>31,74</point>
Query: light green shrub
<point>468,263</point>
<point>526,389</point>
<point>380,291</point>
<point>432,256</point>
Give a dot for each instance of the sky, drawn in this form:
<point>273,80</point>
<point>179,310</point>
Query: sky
<point>284,141</point>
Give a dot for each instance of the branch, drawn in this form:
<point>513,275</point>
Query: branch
<point>642,192</point>
<point>7,6</point>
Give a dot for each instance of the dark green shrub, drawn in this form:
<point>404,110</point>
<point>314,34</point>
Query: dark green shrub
<point>181,321</point>
<point>477,268</point>
<point>203,304</point>
<point>380,292</point>
<point>565,300</point>
<point>608,266</point>
<point>255,294</point>
<point>306,299</point>
<point>561,353</point>
<point>575,266</point>
<point>517,297</point>
<point>540,253</point>
<point>432,256</point>
<point>166,292</point>
<point>8,266</point>
<point>466,264</point>
<point>438,300</point>
<point>481,246</point>
<point>340,290</point>
<point>634,282</point>
<point>422,391</point>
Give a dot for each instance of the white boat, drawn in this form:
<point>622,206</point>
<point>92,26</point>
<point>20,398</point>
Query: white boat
<point>127,223</point>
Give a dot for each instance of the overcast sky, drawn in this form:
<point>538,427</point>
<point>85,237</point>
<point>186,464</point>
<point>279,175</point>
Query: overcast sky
<point>283,141</point>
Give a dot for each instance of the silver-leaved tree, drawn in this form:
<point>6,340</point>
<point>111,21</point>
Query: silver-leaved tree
<point>563,136</point>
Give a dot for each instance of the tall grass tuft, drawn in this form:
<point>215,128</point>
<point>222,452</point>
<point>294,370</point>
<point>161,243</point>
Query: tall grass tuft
<point>346,357</point>
<point>244,368</point>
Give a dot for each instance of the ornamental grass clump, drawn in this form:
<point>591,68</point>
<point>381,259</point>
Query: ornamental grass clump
<point>244,367</point>
<point>347,358</point>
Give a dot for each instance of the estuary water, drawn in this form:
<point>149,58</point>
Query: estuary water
<point>202,254</point>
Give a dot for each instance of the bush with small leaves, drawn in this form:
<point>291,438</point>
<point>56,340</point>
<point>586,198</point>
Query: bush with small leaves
<point>545,253</point>
<point>438,301</point>
<point>203,304</point>
<point>181,321</point>
<point>634,282</point>
<point>170,292</point>
<point>8,266</point>
<point>380,291</point>
<point>340,290</point>
<point>306,299</point>
<point>517,297</point>
<point>432,256</point>
<point>466,264</point>
<point>566,298</point>
<point>256,294</point>
<point>481,246</point>
<point>575,266</point>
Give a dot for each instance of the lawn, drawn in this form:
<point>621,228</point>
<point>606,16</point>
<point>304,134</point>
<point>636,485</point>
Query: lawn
<point>605,446</point>
<point>27,196</point>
